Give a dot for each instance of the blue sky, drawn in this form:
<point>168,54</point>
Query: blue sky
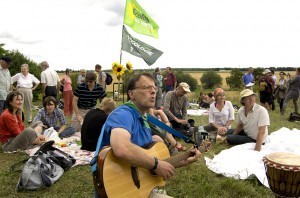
<point>193,33</point>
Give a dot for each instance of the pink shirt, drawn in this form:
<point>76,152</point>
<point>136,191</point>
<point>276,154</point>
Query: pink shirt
<point>68,83</point>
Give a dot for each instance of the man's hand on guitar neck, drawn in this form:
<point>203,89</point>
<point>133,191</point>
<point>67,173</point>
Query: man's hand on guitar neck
<point>166,170</point>
<point>194,155</point>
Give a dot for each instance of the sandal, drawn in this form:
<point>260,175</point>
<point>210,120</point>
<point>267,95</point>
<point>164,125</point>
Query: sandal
<point>180,147</point>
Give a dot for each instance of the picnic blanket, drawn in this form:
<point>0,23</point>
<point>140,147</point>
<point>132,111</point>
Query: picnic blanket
<point>70,146</point>
<point>242,162</point>
<point>197,112</point>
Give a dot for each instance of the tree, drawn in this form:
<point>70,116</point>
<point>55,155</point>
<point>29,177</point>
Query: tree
<point>235,79</point>
<point>211,79</point>
<point>15,67</point>
<point>185,77</point>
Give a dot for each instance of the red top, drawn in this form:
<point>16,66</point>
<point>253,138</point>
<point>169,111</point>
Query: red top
<point>171,79</point>
<point>9,127</point>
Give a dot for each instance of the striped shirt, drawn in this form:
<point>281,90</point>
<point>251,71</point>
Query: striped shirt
<point>88,99</point>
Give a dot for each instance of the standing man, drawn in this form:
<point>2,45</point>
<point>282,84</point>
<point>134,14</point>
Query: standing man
<point>248,78</point>
<point>266,88</point>
<point>5,81</point>
<point>81,77</point>
<point>101,76</point>
<point>158,82</point>
<point>50,81</point>
<point>170,80</point>
<point>85,99</point>
<point>175,107</point>
<point>252,122</point>
<point>128,136</point>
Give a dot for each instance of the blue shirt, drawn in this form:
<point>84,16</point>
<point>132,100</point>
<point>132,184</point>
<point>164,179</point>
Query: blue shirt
<point>131,120</point>
<point>248,78</point>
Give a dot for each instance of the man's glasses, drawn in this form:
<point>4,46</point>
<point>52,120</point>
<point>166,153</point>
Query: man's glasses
<point>148,88</point>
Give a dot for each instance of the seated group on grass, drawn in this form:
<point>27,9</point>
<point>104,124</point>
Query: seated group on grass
<point>252,120</point>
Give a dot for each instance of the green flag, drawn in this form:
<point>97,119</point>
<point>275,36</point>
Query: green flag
<point>137,18</point>
<point>139,48</point>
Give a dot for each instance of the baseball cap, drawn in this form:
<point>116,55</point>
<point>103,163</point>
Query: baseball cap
<point>267,71</point>
<point>6,59</point>
<point>185,87</point>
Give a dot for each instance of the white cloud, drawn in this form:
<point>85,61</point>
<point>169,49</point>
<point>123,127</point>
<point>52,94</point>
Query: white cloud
<point>193,33</point>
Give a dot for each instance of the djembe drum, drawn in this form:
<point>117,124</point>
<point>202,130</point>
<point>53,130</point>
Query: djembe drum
<point>283,173</point>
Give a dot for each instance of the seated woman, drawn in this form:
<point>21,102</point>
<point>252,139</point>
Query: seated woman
<point>164,135</point>
<point>13,134</point>
<point>93,123</point>
<point>50,115</point>
<point>221,115</point>
<point>202,100</point>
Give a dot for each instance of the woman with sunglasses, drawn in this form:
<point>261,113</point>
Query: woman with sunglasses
<point>13,134</point>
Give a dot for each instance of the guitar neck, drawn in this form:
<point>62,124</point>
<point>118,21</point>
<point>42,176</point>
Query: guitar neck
<point>174,160</point>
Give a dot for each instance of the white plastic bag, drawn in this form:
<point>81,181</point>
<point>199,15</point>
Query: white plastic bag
<point>51,134</point>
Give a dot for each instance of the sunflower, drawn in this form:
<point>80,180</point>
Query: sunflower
<point>115,64</point>
<point>129,66</point>
<point>119,70</point>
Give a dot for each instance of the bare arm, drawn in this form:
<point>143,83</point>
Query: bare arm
<point>44,88</point>
<point>260,137</point>
<point>62,128</point>
<point>75,108</point>
<point>238,129</point>
<point>123,148</point>
<point>103,81</point>
<point>35,86</point>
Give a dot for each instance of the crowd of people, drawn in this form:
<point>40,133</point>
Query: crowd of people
<point>148,94</point>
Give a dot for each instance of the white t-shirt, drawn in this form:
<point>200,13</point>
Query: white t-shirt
<point>50,77</point>
<point>221,117</point>
<point>257,117</point>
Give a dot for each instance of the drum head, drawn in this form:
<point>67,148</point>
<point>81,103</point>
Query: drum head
<point>281,158</point>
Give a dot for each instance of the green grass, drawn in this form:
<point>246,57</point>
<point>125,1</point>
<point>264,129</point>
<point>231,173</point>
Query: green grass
<point>195,180</point>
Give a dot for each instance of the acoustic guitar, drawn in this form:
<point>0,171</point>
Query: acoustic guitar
<point>116,178</point>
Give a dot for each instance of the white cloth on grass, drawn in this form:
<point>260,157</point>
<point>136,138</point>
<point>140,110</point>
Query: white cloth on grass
<point>241,161</point>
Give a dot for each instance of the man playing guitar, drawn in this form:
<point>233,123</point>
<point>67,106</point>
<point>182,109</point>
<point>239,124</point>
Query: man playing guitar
<point>127,131</point>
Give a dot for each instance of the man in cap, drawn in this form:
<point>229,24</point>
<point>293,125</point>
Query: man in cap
<point>266,88</point>
<point>50,81</point>
<point>175,107</point>
<point>252,122</point>
<point>5,80</point>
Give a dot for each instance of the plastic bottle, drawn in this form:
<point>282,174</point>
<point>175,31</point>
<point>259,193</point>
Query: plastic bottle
<point>198,135</point>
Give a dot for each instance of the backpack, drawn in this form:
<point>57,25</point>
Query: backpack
<point>294,117</point>
<point>40,170</point>
<point>108,79</point>
<point>262,86</point>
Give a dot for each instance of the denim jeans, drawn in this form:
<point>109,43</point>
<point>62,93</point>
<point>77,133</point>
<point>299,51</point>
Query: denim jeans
<point>68,132</point>
<point>2,105</point>
<point>241,138</point>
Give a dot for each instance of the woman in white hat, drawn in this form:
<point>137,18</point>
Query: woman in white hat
<point>252,122</point>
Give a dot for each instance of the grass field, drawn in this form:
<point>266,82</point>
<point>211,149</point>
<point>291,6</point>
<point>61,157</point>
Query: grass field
<point>191,181</point>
